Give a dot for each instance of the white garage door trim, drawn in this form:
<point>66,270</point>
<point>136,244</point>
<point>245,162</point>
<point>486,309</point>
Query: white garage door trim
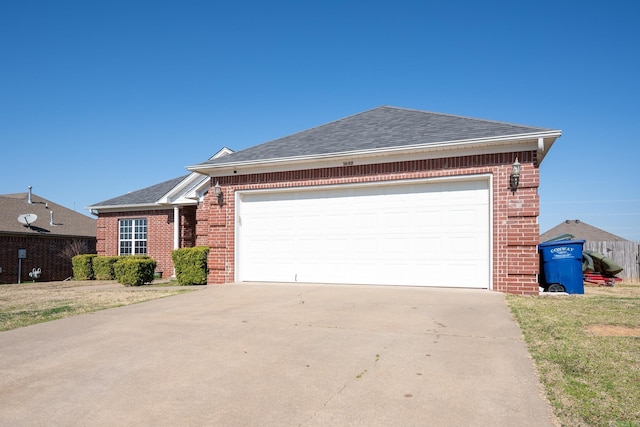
<point>427,232</point>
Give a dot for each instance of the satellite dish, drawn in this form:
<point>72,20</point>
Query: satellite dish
<point>27,219</point>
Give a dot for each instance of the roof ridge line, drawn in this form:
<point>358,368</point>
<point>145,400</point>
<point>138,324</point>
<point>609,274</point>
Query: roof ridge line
<point>477,119</point>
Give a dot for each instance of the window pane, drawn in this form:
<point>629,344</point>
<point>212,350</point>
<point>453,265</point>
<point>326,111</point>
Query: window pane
<point>141,229</point>
<point>141,247</point>
<point>125,229</point>
<point>125,248</point>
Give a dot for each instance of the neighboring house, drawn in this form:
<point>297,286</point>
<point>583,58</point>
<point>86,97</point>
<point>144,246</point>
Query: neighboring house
<point>388,196</point>
<point>580,231</point>
<point>623,252</point>
<point>36,233</point>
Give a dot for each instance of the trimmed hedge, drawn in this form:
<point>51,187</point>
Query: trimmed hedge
<point>134,270</point>
<point>191,265</point>
<point>103,267</point>
<point>83,266</point>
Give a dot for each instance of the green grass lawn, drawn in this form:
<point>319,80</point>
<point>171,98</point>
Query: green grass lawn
<point>587,351</point>
<point>29,303</point>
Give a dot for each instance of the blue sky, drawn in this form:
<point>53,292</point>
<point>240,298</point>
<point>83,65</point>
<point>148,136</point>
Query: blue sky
<point>99,98</point>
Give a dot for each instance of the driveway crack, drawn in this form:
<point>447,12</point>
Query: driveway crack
<point>324,405</point>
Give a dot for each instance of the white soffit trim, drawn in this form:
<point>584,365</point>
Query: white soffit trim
<point>544,145</point>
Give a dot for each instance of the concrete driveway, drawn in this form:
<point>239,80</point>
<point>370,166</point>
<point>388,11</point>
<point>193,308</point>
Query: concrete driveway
<point>277,355</point>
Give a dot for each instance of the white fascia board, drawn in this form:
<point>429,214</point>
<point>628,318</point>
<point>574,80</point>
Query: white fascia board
<point>126,208</point>
<point>198,191</point>
<point>222,152</point>
<point>383,155</point>
<point>195,193</point>
<point>180,191</point>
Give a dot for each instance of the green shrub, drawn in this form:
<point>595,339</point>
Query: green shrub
<point>103,267</point>
<point>83,266</point>
<point>191,265</point>
<point>134,271</point>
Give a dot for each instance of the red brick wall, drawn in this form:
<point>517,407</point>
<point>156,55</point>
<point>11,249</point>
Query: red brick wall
<point>188,226</point>
<point>159,233</point>
<point>515,228</point>
<point>46,253</point>
<point>202,224</point>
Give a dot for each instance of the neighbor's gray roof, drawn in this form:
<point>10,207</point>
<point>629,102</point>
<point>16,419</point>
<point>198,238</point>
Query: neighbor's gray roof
<point>580,231</point>
<point>144,196</point>
<point>379,128</point>
<point>68,222</point>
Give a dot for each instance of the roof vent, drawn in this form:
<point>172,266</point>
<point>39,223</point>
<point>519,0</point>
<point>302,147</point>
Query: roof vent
<point>577,221</point>
<point>29,196</point>
<point>51,221</point>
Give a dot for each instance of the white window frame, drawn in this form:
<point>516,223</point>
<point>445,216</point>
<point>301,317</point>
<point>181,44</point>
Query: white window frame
<point>133,231</point>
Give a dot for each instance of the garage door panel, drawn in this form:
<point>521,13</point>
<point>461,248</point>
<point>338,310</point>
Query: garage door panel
<point>394,219</point>
<point>460,218</point>
<point>364,221</point>
<point>427,246</point>
<point>363,247</point>
<point>465,248</point>
<point>427,274</point>
<point>309,247</point>
<point>425,234</point>
<point>429,218</point>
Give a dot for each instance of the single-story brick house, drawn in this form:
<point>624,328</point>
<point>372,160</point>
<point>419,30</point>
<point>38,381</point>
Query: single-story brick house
<point>389,196</point>
<point>46,241</point>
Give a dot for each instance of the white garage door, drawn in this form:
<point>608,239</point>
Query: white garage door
<point>421,234</point>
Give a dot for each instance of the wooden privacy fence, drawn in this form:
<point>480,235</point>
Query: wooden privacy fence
<point>624,253</point>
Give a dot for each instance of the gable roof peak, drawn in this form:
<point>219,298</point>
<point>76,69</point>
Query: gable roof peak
<point>580,230</point>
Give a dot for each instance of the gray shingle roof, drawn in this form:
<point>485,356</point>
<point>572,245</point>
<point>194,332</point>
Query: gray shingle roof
<point>148,195</point>
<point>580,231</point>
<point>68,222</point>
<point>379,128</point>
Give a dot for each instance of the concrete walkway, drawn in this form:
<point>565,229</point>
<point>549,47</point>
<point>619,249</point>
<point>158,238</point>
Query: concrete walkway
<point>277,355</point>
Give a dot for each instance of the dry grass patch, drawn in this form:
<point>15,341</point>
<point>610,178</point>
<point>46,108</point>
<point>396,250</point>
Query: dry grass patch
<point>613,331</point>
<point>587,351</point>
<point>30,303</point>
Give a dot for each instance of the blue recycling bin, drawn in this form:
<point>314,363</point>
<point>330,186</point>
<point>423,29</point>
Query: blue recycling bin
<point>561,266</point>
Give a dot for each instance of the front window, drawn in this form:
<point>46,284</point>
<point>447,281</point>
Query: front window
<point>132,236</point>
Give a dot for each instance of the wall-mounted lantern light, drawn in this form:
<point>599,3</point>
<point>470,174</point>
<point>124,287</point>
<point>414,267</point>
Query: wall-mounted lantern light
<point>217,191</point>
<point>514,180</point>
